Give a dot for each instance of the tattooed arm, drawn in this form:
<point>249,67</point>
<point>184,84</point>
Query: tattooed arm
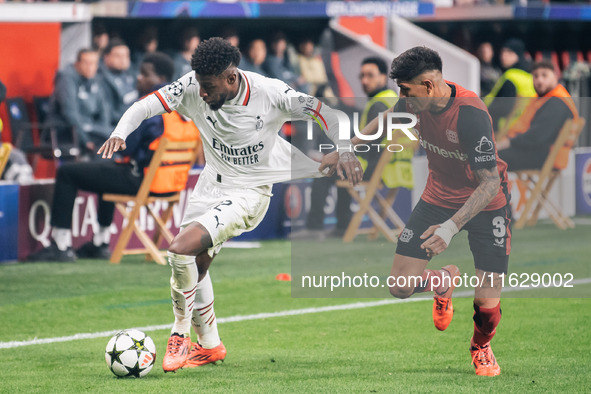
<point>438,236</point>
<point>482,196</point>
<point>476,139</point>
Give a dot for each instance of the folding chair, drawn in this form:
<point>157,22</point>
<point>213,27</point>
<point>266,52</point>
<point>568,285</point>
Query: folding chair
<point>168,154</point>
<point>538,183</point>
<point>367,192</point>
<point>5,149</point>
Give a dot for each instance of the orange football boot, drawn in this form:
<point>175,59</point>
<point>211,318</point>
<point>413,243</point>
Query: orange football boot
<point>177,352</point>
<point>443,310</point>
<point>484,360</point>
<point>201,356</point>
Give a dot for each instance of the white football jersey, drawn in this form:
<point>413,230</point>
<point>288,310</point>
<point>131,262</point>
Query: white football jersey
<point>240,140</point>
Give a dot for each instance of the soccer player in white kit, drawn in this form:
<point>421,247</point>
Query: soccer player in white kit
<point>239,115</point>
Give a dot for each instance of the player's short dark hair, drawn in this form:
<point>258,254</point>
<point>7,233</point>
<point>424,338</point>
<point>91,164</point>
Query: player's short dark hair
<point>378,61</point>
<point>113,42</point>
<point>413,62</point>
<point>214,56</point>
<point>84,51</point>
<point>545,63</point>
<point>163,64</point>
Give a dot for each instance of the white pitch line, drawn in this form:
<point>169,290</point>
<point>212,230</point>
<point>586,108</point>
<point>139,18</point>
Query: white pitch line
<point>259,316</point>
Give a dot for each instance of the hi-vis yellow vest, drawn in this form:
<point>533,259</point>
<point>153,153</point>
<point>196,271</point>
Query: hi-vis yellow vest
<point>398,172</point>
<point>524,85</point>
<point>173,178</point>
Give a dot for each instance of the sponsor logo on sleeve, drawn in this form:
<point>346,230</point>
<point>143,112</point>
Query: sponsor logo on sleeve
<point>166,96</point>
<point>485,146</point>
<point>486,149</point>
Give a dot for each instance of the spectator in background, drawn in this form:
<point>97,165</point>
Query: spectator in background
<point>148,43</point>
<point>190,39</point>
<point>534,133</point>
<point>254,57</point>
<point>277,64</point>
<point>116,80</point>
<point>312,69</point>
<point>516,81</point>
<point>231,34</point>
<point>78,101</point>
<point>489,74</point>
<point>17,168</point>
<point>109,176</point>
<point>100,38</point>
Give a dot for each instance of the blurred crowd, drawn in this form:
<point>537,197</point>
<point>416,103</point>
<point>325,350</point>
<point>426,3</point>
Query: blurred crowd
<point>443,3</point>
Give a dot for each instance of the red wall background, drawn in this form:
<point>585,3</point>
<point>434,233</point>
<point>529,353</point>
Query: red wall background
<point>29,58</point>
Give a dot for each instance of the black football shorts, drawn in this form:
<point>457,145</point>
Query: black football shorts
<point>489,235</point>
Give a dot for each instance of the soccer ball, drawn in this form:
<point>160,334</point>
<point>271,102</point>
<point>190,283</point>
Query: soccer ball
<point>130,353</point>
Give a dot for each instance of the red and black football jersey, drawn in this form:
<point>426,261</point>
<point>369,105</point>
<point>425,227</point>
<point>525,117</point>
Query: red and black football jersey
<point>459,140</point>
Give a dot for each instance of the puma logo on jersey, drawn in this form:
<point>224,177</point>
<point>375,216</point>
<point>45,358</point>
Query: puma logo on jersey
<point>191,82</point>
<point>213,122</point>
<point>218,224</point>
<point>287,90</point>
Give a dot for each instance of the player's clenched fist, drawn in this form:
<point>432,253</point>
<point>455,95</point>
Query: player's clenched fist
<point>112,145</point>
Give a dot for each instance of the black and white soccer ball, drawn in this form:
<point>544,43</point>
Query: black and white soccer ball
<point>130,353</point>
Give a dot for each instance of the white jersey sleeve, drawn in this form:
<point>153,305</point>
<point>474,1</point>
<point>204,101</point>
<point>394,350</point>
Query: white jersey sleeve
<point>166,99</point>
<point>300,106</point>
<point>178,93</point>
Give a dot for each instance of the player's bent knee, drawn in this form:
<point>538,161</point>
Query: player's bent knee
<point>178,247</point>
<point>184,272</point>
<point>401,292</point>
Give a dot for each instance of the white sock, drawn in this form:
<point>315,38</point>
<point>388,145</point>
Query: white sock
<point>203,321</point>
<point>103,236</point>
<point>62,238</point>
<point>183,285</point>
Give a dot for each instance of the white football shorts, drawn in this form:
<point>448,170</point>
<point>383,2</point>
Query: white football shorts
<point>226,212</point>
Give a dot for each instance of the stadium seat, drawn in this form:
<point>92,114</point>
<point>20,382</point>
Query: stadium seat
<point>168,154</point>
<point>38,139</point>
<point>5,149</point>
<point>368,192</point>
<point>537,184</point>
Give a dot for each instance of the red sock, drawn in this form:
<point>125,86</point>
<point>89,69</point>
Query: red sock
<point>427,282</point>
<point>485,322</point>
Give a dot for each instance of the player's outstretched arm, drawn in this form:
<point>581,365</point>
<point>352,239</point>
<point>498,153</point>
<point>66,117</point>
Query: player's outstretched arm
<point>112,145</point>
<point>482,196</point>
<point>439,236</point>
<point>344,164</point>
<point>131,119</point>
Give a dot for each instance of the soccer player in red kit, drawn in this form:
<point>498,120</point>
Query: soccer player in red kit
<point>466,189</point>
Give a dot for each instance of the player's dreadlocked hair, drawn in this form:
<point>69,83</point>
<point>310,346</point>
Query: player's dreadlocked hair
<point>414,62</point>
<point>214,56</point>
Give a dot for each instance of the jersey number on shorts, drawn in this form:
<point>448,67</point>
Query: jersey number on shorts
<point>499,223</point>
<point>223,203</point>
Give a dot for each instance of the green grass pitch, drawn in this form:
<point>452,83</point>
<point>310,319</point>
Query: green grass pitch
<point>542,344</point>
